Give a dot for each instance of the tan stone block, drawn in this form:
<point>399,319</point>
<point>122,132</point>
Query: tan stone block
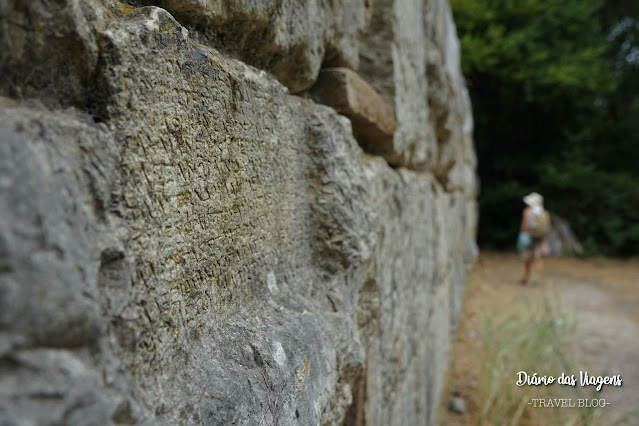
<point>373,119</point>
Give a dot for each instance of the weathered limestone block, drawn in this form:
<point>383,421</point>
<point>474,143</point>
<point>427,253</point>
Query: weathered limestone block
<point>448,97</point>
<point>372,119</point>
<point>393,62</point>
<point>45,211</point>
<point>54,192</point>
<point>410,55</point>
<point>30,67</point>
<point>186,242</point>
<point>375,51</point>
<point>408,292</point>
<point>291,39</point>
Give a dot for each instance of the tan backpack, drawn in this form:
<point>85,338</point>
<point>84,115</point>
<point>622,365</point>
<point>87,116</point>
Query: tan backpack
<point>540,225</point>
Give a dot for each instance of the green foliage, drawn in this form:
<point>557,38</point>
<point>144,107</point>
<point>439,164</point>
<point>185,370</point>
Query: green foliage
<point>602,204</point>
<point>554,90</point>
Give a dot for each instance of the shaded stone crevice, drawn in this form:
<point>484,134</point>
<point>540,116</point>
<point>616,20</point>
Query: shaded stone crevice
<point>353,382</point>
<point>99,96</point>
<point>367,322</point>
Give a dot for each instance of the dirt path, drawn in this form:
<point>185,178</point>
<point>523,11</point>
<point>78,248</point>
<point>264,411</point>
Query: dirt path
<point>601,299</point>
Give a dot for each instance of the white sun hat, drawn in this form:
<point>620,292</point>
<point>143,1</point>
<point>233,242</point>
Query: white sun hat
<point>533,200</point>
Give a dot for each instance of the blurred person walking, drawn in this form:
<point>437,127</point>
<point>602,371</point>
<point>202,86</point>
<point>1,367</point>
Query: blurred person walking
<point>531,241</point>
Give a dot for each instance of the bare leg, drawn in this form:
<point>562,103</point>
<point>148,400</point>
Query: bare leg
<point>527,264</point>
<point>540,267</point>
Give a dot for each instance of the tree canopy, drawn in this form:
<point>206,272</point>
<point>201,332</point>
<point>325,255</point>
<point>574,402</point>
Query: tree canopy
<point>554,86</point>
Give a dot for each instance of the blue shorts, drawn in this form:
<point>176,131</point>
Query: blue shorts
<point>535,249</point>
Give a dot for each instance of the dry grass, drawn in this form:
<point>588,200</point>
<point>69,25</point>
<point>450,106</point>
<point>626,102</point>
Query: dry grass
<point>506,328</point>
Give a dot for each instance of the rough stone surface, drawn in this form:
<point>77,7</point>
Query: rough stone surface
<point>291,39</point>
<point>30,67</point>
<point>410,55</point>
<point>184,242</point>
<point>372,119</point>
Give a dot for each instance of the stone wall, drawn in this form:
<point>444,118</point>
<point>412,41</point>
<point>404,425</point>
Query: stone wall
<point>183,241</point>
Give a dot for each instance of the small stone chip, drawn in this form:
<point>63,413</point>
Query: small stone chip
<point>458,405</point>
